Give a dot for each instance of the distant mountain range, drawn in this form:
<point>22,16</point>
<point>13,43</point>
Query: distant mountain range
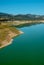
<point>5,16</point>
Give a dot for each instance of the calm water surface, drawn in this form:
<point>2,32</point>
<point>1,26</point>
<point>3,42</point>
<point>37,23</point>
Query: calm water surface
<point>26,49</point>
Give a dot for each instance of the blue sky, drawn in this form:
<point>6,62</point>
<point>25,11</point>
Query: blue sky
<point>22,6</point>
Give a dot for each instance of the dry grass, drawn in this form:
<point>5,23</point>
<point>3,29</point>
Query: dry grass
<point>4,31</point>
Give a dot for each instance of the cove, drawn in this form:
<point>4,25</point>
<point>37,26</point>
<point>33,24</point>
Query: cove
<point>26,49</point>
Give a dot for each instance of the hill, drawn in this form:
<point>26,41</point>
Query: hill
<point>10,17</point>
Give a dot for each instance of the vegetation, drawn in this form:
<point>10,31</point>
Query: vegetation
<point>10,17</point>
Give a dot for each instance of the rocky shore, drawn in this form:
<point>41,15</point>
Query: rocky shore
<point>7,35</point>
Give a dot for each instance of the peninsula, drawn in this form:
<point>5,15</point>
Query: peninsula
<point>7,33</point>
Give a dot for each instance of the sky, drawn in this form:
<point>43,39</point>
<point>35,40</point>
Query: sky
<point>22,6</point>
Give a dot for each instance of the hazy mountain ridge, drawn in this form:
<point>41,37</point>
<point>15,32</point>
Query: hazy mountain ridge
<point>21,17</point>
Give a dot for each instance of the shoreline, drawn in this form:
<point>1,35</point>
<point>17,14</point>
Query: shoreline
<point>6,43</point>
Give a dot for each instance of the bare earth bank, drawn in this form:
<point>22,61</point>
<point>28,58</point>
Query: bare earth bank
<point>7,35</point>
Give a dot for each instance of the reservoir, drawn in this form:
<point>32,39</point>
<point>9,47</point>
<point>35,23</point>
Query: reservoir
<point>26,49</point>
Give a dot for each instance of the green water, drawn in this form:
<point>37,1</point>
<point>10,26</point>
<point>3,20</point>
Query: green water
<point>26,49</point>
